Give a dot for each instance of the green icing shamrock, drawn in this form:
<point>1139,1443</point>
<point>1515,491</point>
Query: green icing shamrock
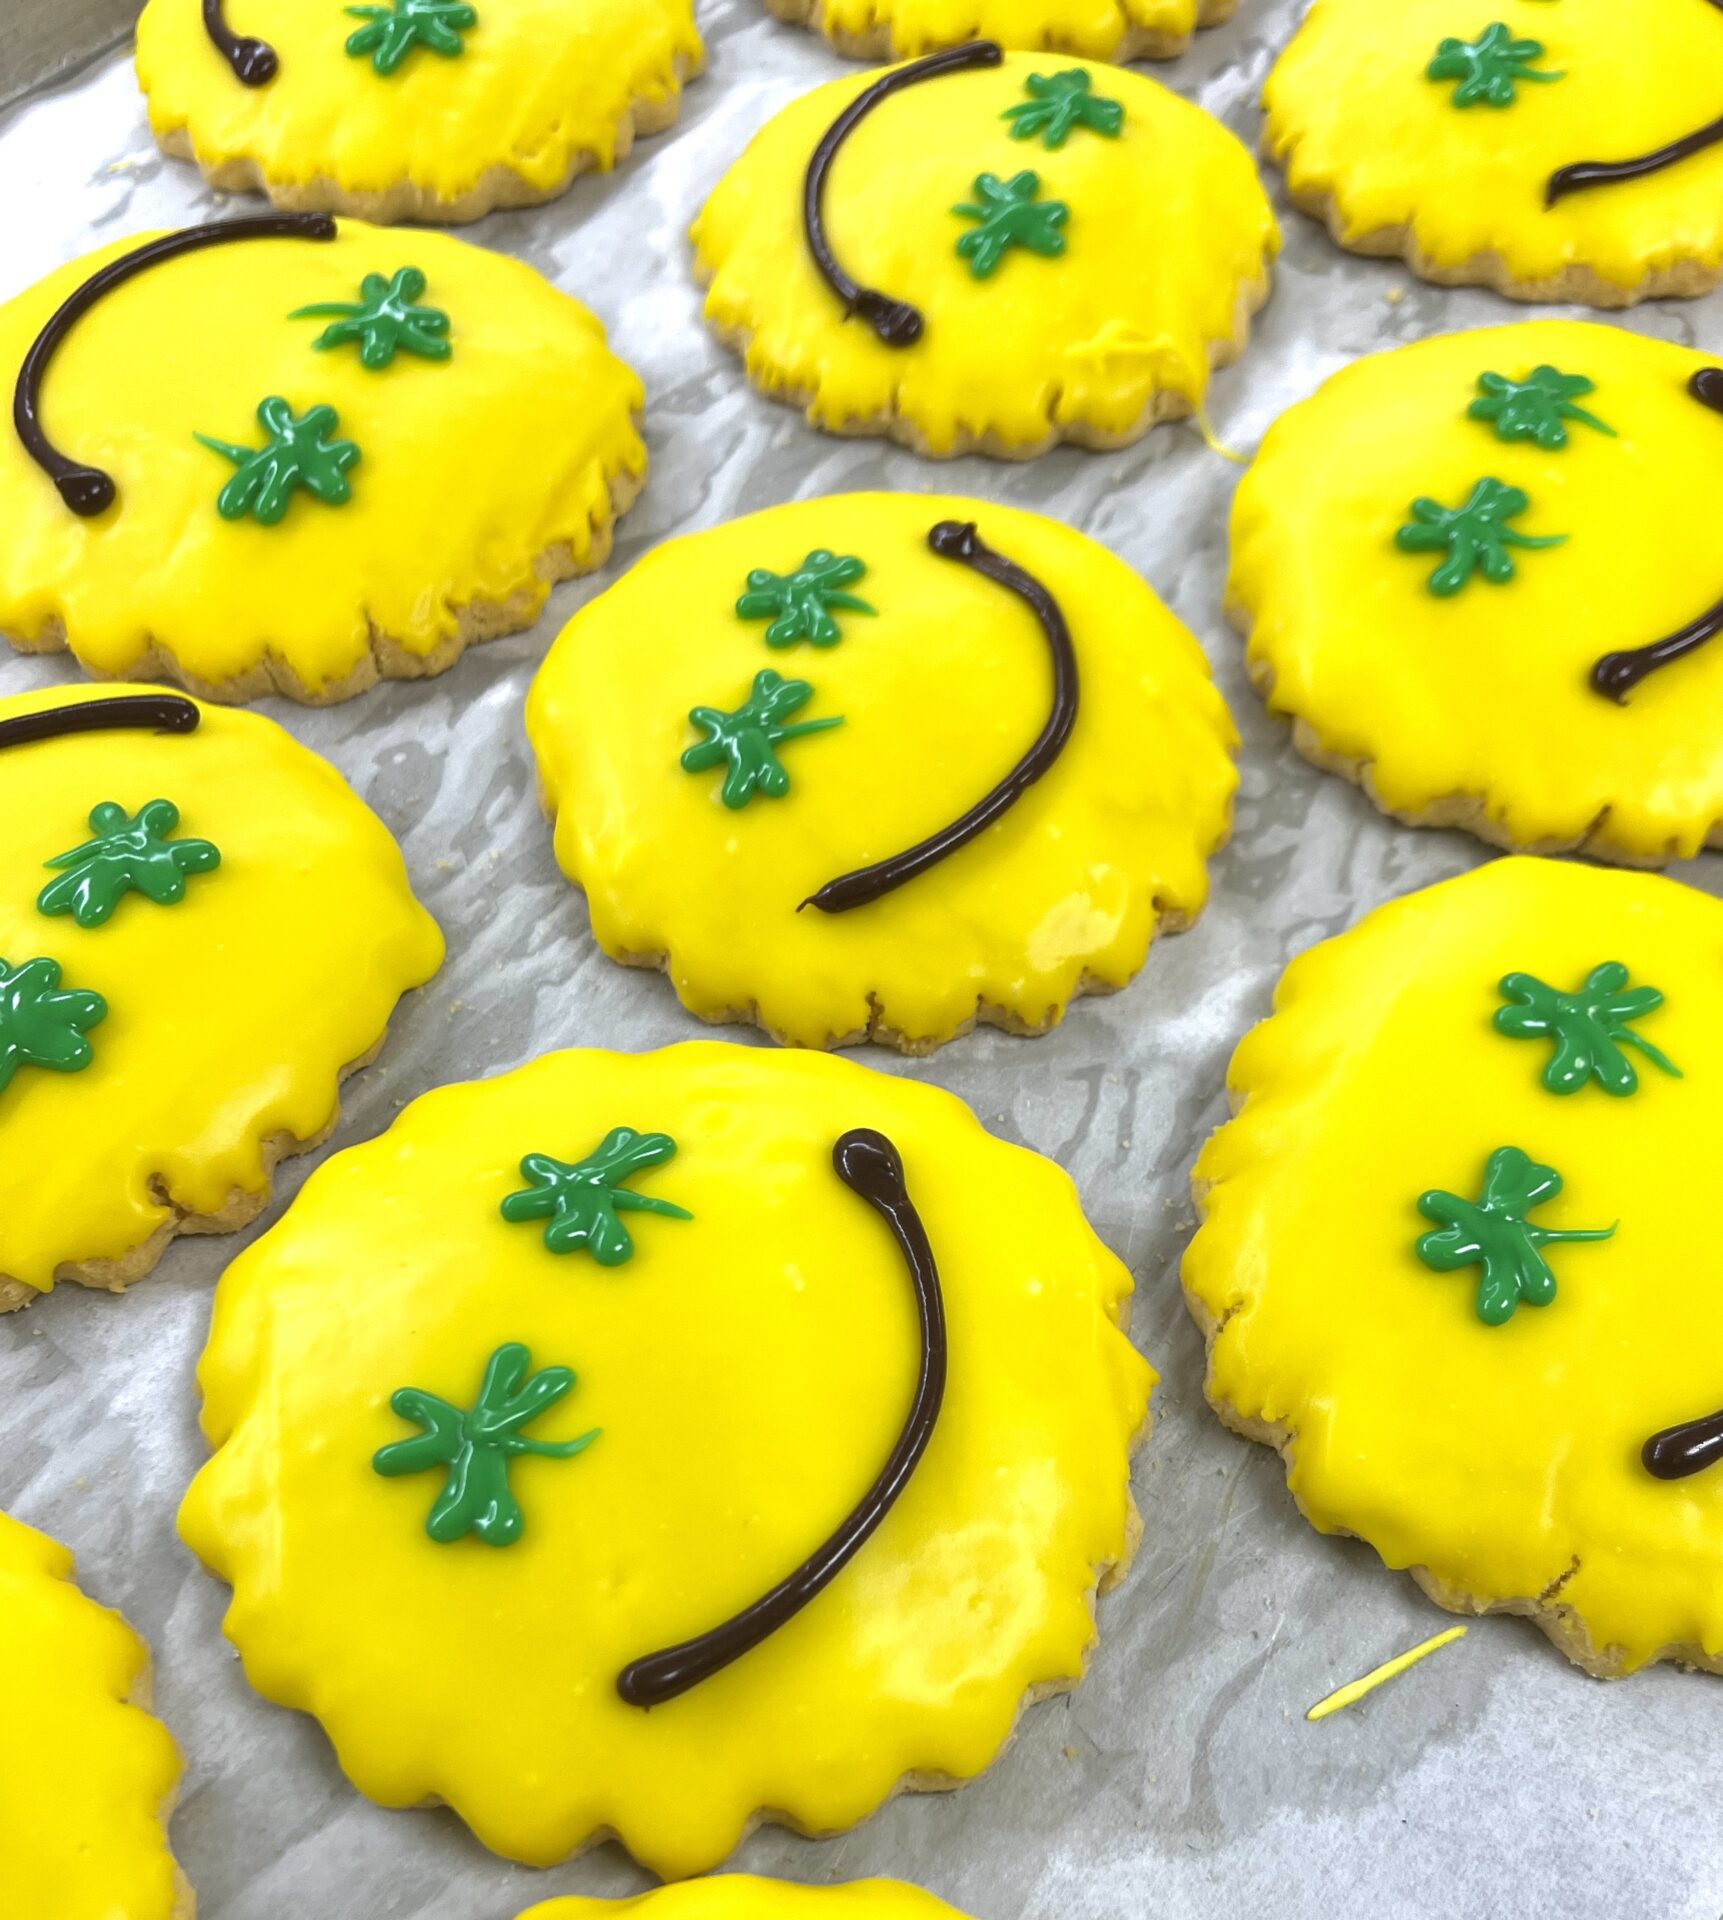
<point>297,454</point>
<point>1010,216</point>
<point>1486,68</point>
<point>1590,1027</point>
<point>130,854</point>
<point>1494,1233</point>
<point>1058,103</point>
<point>1475,536</point>
<point>39,1025</point>
<point>582,1199</point>
<point>392,32</point>
<point>799,604</point>
<point>383,320</point>
<point>476,1447</point>
<point>1535,408</point>
<point>742,741</point>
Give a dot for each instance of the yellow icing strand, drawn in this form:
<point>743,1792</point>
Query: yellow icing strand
<point>1355,1690</point>
<point>1213,442</point>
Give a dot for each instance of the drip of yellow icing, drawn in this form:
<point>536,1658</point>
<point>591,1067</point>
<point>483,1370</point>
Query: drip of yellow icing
<point>1355,1690</point>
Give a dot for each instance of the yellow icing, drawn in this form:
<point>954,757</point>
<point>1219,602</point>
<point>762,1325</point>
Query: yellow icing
<point>1356,1690</point>
<point>1502,1463</point>
<point>474,473</point>
<point>1095,29</point>
<point>942,691</point>
<point>89,1777</point>
<point>1167,248</point>
<point>1486,696</point>
<point>1364,133</point>
<point>540,92</point>
<point>740,1896</point>
<point>750,1369</point>
<point>230,1014</point>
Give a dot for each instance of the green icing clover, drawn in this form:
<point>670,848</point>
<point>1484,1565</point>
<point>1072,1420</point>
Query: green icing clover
<point>476,1446</point>
<point>383,320</point>
<point>1493,1232</point>
<point>1488,67</point>
<point>581,1199</point>
<point>1058,104</point>
<point>742,742</point>
<point>296,454</point>
<point>1590,1027</point>
<point>130,854</point>
<point>392,32</point>
<point>1009,215</point>
<point>1535,408</point>
<point>1475,536</point>
<point>799,605</point>
<point>41,1026</point>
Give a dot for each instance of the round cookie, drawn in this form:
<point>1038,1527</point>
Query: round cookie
<point>1457,1253</point>
<point>202,931</point>
<point>1550,152</point>
<point>91,1777</point>
<point>1007,253</point>
<point>290,455</point>
<point>892,764</point>
<point>765,1420</point>
<point>411,109</point>
<point>1478,573</point>
<point>741,1896</point>
<point>1091,29</point>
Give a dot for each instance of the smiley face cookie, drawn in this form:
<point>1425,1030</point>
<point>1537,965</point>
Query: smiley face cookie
<point>740,1896</point>
<point>1567,152</point>
<point>92,1778</point>
<point>290,455</point>
<point>411,109</point>
<point>1091,29</point>
<point>202,931</point>
<point>892,764</point>
<point>765,1419</point>
<point>986,252</point>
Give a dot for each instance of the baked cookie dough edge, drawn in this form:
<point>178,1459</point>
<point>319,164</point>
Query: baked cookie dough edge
<point>879,44</point>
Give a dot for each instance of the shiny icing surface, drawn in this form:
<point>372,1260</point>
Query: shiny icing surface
<point>1478,707</point>
<point>942,690</point>
<point>230,1014</point>
<point>1095,29</point>
<point>89,1776</point>
<point>1501,1463</point>
<point>743,1896</point>
<point>712,1363</point>
<point>1038,350</point>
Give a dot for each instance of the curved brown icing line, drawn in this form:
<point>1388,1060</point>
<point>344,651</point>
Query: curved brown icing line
<point>1607,173</point>
<point>88,490</point>
<point>254,62</point>
<point>159,712</point>
<point>1617,674</point>
<point>870,1166</point>
<point>1677,1452</point>
<point>896,322</point>
<point>958,540</point>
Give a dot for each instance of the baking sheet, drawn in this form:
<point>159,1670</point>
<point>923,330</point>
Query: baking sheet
<point>1181,1779</point>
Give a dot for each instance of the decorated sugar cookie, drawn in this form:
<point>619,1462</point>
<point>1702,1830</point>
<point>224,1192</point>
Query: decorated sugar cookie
<point>765,1421</point>
<point>202,931</point>
<point>1091,29</point>
<point>1457,1254</point>
<point>892,764</point>
<point>290,455</point>
<point>988,253</point>
<point>1480,575</point>
<point>740,1896</point>
<point>411,109</point>
<point>1565,151</point>
<point>91,1777</point>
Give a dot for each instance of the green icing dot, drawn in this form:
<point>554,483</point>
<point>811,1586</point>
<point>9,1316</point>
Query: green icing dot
<point>581,1198</point>
<point>1058,104</point>
<point>1589,1028</point>
<point>1535,408</point>
<point>130,854</point>
<point>1475,537</point>
<point>391,32</point>
<point>297,453</point>
<point>743,742</point>
<point>39,1025</point>
<point>383,320</point>
<point>1486,69</point>
<point>799,605</point>
<point>1009,214</point>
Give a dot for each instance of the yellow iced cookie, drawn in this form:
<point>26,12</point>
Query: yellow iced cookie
<point>650,1445</point>
<point>878,766</point>
<point>1553,152</point>
<point>740,1896</point>
<point>1481,575</point>
<point>202,930</point>
<point>1005,253</point>
<point>90,1777</point>
<point>411,109</point>
<point>1092,29</point>
<point>1457,1260</point>
<point>290,455</point>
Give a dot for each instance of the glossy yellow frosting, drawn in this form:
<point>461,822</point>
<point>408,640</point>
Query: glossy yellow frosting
<point>1501,1464</point>
<point>1167,252</point>
<point>1478,709</point>
<point>90,1777</point>
<point>231,1014</point>
<point>749,1370</point>
<point>741,1896</point>
<point>481,478</point>
<point>942,690</point>
<point>1094,29</point>
<point>1371,142</point>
